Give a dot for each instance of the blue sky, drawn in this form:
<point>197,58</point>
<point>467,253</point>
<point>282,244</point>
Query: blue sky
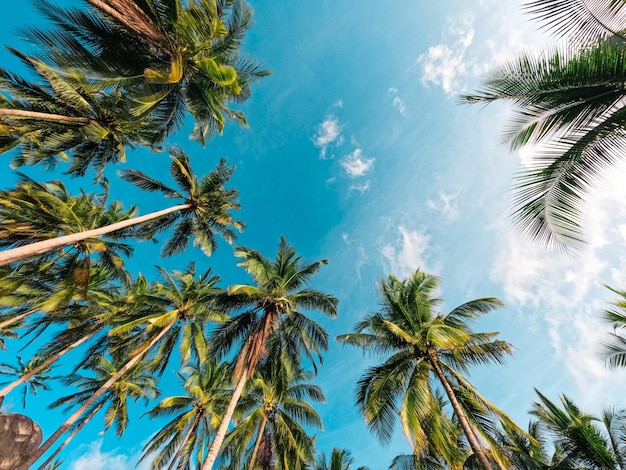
<point>359,153</point>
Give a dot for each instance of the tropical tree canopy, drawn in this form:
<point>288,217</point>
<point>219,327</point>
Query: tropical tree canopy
<point>421,348</point>
<point>569,108</point>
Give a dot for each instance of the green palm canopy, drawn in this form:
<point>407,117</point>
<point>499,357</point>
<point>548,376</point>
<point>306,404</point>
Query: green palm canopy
<point>422,349</point>
<point>569,109</point>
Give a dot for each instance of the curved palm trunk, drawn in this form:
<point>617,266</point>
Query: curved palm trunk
<point>71,436</point>
<point>477,448</point>
<point>179,452</point>
<point>17,318</point>
<point>257,444</point>
<point>221,431</point>
<point>6,390</point>
<point>37,248</point>
<point>22,113</point>
<point>101,391</point>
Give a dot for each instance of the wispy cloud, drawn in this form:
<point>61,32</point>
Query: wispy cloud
<point>362,187</point>
<point>356,165</point>
<point>446,205</point>
<point>398,102</point>
<point>406,253</point>
<point>443,65</point>
<point>329,132</point>
<point>566,291</point>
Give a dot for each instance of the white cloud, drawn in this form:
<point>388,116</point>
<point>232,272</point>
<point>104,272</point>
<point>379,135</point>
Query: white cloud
<point>355,165</point>
<point>443,64</point>
<point>566,291</point>
<point>445,205</point>
<point>90,456</point>
<point>407,254</point>
<point>328,133</point>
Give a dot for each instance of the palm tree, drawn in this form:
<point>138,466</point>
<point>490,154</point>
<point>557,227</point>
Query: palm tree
<point>276,407</point>
<point>420,344</point>
<point>196,416</point>
<point>41,212</point>
<point>582,442</point>
<point>570,104</point>
<point>137,383</point>
<point>25,375</point>
<point>177,309</point>
<point>65,112</point>
<point>164,56</point>
<point>83,318</point>
<point>340,459</point>
<point>204,212</point>
<point>273,303</point>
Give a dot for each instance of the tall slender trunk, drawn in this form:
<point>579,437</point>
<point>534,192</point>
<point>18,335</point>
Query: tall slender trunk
<point>477,448</point>
<point>6,390</point>
<point>71,436</point>
<point>17,318</point>
<point>32,249</point>
<point>196,420</point>
<point>23,113</point>
<point>257,444</point>
<point>101,391</point>
<point>221,431</point>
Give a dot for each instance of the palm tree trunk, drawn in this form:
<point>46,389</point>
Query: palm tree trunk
<point>6,390</point>
<point>23,113</point>
<point>221,431</point>
<point>17,318</point>
<point>101,391</point>
<point>257,444</point>
<point>32,249</point>
<point>477,448</point>
<point>196,420</point>
<point>71,436</point>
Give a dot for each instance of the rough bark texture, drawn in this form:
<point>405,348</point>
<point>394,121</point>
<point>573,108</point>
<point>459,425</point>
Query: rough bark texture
<point>477,448</point>
<point>37,248</point>
<point>19,437</point>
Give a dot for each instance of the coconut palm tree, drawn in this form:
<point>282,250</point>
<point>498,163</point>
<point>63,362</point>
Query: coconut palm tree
<point>273,303</point>
<point>32,381</point>
<point>65,114</point>
<point>164,56</point>
<point>569,107</point>
<point>83,319</point>
<point>422,347</point>
<point>585,441</point>
<point>41,212</point>
<point>176,310</point>
<point>204,212</point>
<point>276,407</point>
<point>340,459</point>
<point>197,415</point>
<point>137,383</point>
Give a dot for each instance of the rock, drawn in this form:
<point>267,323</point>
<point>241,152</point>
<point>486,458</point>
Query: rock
<point>19,437</point>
